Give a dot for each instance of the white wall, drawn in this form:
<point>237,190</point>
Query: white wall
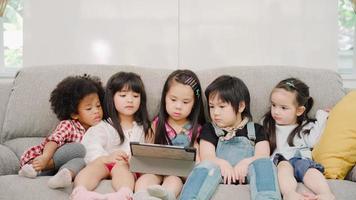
<point>2,61</point>
<point>181,33</point>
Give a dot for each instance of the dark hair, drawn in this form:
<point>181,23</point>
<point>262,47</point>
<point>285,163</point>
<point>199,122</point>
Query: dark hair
<point>116,83</point>
<point>301,91</point>
<point>68,93</point>
<point>196,116</point>
<point>231,90</point>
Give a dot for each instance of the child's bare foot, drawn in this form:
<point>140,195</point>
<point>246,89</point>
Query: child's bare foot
<point>329,196</point>
<point>28,171</point>
<point>310,196</point>
<point>81,193</point>
<point>124,193</point>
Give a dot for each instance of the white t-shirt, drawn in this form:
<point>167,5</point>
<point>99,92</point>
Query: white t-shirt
<point>103,139</point>
<point>304,143</point>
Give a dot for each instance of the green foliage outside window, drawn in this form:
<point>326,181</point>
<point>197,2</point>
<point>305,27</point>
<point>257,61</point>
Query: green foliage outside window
<point>13,28</point>
<point>346,21</point>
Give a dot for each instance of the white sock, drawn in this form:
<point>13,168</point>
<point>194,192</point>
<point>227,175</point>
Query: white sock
<point>62,179</point>
<point>161,192</point>
<point>28,171</point>
<point>143,195</point>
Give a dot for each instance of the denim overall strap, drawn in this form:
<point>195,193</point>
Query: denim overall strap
<point>251,133</point>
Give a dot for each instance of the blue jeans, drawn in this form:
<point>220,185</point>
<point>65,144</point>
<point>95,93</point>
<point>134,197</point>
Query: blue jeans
<point>205,177</point>
<point>262,176</point>
<point>202,182</point>
<point>301,166</point>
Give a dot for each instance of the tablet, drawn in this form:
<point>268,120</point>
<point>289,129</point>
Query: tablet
<point>162,159</point>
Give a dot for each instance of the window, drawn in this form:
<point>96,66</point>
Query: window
<point>346,42</point>
<point>12,37</point>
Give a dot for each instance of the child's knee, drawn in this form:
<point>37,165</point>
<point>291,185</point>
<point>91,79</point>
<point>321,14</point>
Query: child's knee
<point>284,165</point>
<point>174,180</point>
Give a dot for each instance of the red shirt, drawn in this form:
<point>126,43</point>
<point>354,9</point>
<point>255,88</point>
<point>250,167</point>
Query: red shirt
<point>67,131</point>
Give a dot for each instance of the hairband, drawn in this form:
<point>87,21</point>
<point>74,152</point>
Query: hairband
<point>193,84</point>
<point>290,84</point>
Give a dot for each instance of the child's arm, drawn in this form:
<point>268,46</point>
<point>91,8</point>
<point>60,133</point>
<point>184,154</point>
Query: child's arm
<point>318,127</point>
<point>207,152</point>
<point>115,156</point>
<point>261,150</point>
<point>151,137</point>
<point>45,161</point>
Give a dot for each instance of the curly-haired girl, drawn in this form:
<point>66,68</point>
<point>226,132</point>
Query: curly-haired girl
<point>76,101</point>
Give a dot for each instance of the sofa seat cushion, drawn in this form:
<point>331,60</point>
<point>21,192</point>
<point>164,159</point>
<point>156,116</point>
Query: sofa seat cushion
<point>336,150</point>
<point>16,187</point>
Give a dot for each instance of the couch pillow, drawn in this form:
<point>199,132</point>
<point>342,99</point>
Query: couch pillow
<point>336,150</point>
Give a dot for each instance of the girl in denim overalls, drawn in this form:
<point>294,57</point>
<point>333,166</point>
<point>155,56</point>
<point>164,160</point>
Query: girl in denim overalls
<point>292,135</point>
<point>233,149</point>
<point>178,123</point>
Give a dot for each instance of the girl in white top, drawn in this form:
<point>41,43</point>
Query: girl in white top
<point>292,134</point>
<point>107,144</point>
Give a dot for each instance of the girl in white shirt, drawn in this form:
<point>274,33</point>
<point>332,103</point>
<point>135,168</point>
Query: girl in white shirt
<point>107,144</point>
<point>292,134</point>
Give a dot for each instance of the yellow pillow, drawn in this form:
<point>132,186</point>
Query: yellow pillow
<point>336,150</point>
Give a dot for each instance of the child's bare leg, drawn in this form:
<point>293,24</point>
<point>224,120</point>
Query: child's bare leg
<point>316,181</point>
<point>170,189</point>
<point>123,182</point>
<point>91,175</point>
<point>287,183</point>
<point>173,184</point>
<point>146,180</point>
<point>122,177</point>
<point>142,183</point>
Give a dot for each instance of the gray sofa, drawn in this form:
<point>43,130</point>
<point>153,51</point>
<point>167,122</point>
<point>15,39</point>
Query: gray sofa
<point>25,116</point>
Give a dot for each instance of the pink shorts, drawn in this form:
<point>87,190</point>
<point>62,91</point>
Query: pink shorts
<point>112,165</point>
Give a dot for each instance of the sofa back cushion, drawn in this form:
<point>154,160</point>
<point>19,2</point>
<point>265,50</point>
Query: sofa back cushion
<point>28,113</point>
<point>325,85</point>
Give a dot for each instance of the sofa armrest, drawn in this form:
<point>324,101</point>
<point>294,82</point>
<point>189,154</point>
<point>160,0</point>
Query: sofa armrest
<point>9,163</point>
<point>5,91</point>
